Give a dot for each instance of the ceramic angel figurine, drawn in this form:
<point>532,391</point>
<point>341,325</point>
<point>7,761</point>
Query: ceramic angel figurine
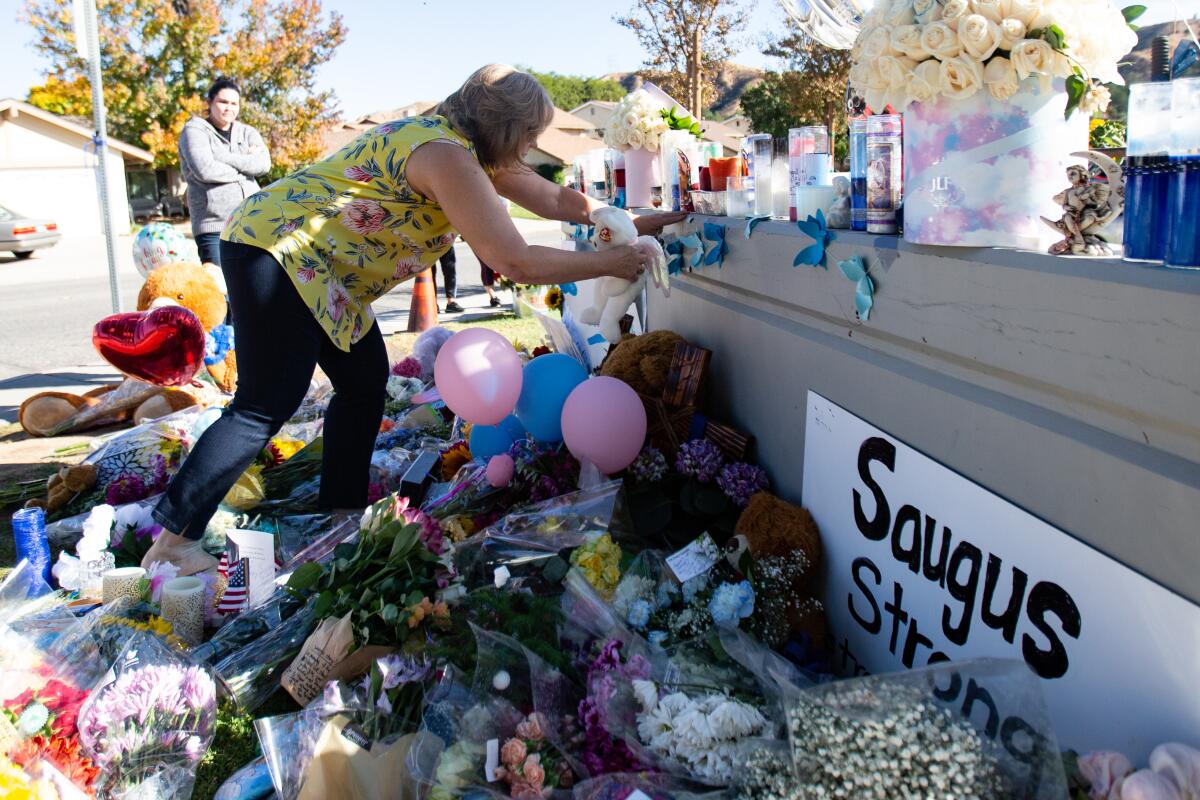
<point>1088,207</point>
<point>838,213</point>
<point>615,295</point>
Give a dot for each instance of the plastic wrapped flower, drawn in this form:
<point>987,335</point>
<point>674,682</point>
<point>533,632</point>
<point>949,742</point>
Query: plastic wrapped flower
<point>600,560</point>
<point>401,389</point>
<point>699,459</point>
<point>639,614</point>
<point>650,466</point>
<point>731,603</point>
<point>408,368</point>
<point>742,481</point>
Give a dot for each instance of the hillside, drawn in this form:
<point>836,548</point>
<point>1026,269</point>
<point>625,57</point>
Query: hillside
<point>1138,70</point>
<point>731,82</point>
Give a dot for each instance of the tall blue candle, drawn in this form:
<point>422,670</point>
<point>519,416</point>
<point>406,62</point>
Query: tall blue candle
<point>858,174</point>
<point>29,535</point>
<point>1183,197</point>
<point>1147,171</point>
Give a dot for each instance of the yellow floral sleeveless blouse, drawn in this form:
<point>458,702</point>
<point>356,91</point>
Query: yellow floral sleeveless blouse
<point>349,228</point>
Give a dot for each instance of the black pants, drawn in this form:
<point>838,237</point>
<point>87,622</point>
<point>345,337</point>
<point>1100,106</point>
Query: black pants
<point>486,274</point>
<point>208,245</point>
<point>279,342</point>
<point>449,264</point>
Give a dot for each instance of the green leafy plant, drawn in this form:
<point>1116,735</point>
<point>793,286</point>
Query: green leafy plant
<point>1107,133</point>
<point>682,122</point>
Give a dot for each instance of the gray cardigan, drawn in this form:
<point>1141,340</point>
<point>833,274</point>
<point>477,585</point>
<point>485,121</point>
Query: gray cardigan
<point>219,174</point>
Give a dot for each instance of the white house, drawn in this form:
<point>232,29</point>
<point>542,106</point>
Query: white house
<point>739,123</point>
<point>596,112</point>
<point>47,169</point>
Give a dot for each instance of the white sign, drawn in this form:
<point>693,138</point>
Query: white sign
<point>922,565</point>
<point>259,547</point>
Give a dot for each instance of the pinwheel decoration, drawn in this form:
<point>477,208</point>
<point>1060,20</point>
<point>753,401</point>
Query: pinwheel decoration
<point>752,223</point>
<point>816,229</point>
<point>715,234</point>
<point>864,292</point>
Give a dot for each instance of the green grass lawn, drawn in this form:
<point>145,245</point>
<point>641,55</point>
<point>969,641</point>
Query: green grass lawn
<point>517,212</point>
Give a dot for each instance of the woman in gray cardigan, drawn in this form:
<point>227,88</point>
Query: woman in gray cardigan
<point>220,158</point>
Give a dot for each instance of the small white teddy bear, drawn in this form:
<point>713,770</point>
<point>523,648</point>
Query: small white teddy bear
<point>614,295</point>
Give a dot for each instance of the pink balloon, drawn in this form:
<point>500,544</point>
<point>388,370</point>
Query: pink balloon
<point>500,470</point>
<point>604,421</point>
<point>478,374</point>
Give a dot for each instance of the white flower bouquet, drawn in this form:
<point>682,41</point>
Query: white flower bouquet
<point>636,121</point>
<point>915,51</point>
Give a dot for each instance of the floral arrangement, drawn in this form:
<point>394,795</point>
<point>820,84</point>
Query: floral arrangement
<point>409,367</point>
<point>542,471</point>
<point>530,766</point>
<point>650,466</point>
<point>400,391</point>
<point>553,300</point>
<point>741,481</point>
<point>914,51</point>
<point>636,122</point>
<point>391,694</point>
<point>604,753</point>
<point>699,459</point>
<point>701,732</point>
<point>1173,772</point>
<point>153,715</point>
<point>600,562</point>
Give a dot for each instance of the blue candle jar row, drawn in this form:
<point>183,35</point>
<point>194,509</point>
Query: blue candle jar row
<point>1183,191</point>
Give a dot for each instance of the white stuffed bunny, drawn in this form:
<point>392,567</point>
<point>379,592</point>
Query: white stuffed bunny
<point>615,295</point>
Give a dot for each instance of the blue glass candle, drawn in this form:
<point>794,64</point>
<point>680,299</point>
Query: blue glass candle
<point>858,174</point>
<point>29,535</point>
<point>1147,171</point>
<point>1183,197</point>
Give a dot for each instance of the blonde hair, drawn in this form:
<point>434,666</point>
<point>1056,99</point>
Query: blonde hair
<point>496,109</point>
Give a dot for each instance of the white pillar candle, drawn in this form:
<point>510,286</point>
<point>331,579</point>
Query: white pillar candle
<point>811,198</point>
<point>183,607</point>
<point>119,583</point>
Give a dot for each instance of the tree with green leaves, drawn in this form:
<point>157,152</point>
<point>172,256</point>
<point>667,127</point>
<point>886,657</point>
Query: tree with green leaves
<point>811,91</point>
<point>572,91</point>
<point>158,59</point>
<point>686,43</point>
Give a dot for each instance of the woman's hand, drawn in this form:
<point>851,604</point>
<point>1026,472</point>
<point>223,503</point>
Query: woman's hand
<point>652,224</point>
<point>626,262</point>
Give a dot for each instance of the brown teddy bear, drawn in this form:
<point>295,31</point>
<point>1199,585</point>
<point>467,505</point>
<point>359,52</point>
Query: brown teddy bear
<point>775,529</point>
<point>187,285</point>
<point>643,361</point>
<point>64,485</point>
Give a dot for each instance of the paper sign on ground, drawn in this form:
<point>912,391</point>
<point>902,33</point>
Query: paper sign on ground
<point>924,565</point>
<point>259,547</point>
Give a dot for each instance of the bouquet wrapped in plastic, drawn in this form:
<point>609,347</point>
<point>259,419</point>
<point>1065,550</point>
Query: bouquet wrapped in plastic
<point>149,723</point>
<point>251,673</point>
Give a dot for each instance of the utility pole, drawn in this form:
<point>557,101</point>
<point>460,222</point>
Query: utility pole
<point>100,140</point>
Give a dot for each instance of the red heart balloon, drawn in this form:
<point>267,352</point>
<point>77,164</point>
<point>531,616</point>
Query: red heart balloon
<point>163,346</point>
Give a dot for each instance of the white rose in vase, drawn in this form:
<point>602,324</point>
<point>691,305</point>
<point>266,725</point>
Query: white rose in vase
<point>906,39</point>
<point>991,9</point>
<point>878,43</point>
<point>927,11</point>
<point>895,71</point>
<point>953,11</point>
<point>1001,78</point>
<point>979,36</point>
<point>924,81</point>
<point>1032,57</point>
<point>1012,30</point>
<point>960,77</point>
<point>1099,41</point>
<point>1024,10</point>
<point>940,41</point>
<point>634,139</point>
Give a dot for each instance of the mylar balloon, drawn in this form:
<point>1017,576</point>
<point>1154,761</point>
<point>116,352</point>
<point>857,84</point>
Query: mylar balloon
<point>478,374</point>
<point>157,244</point>
<point>547,382</point>
<point>163,346</point>
<point>604,422</point>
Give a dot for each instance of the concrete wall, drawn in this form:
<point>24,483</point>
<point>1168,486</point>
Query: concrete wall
<point>1071,387</point>
<point>45,172</point>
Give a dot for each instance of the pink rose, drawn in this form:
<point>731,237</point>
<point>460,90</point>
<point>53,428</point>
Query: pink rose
<point>531,728</point>
<point>513,753</point>
<point>533,771</point>
<point>363,216</point>
<point>523,791</point>
<point>357,174</point>
<point>1104,770</point>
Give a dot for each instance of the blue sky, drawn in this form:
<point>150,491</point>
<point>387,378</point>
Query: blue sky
<point>400,51</point>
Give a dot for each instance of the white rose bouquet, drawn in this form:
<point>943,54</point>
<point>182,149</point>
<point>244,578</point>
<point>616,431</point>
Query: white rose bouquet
<point>914,51</point>
<point>636,121</point>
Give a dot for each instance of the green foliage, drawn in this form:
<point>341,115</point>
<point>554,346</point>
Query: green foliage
<point>682,122</point>
<point>1076,87</point>
<point>533,621</point>
<point>1106,133</point>
<point>572,91</point>
<point>550,172</point>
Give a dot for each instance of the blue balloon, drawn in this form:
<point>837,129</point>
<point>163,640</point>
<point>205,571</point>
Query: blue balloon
<point>492,440</point>
<point>544,388</point>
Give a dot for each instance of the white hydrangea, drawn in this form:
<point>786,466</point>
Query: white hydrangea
<point>636,121</point>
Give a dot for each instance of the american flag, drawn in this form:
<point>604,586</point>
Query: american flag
<point>236,593</point>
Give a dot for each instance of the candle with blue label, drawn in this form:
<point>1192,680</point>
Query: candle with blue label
<point>858,174</point>
<point>1147,171</point>
<point>1183,197</point>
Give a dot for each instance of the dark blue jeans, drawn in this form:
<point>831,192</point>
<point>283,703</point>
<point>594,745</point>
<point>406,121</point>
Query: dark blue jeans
<point>208,245</point>
<point>279,342</point>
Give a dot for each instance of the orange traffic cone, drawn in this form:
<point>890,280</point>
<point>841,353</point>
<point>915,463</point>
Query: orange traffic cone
<point>423,313</point>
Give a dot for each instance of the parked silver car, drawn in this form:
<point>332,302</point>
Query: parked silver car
<point>22,235</point>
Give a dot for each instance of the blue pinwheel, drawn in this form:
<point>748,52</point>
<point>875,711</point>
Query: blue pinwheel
<point>569,288</point>
<point>752,223</point>
<point>864,293</point>
<point>716,254</point>
<point>816,229</point>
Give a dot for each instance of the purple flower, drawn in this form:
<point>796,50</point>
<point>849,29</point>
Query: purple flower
<point>397,670</point>
<point>742,481</point>
<point>408,368</point>
<point>650,466</point>
<point>699,459</point>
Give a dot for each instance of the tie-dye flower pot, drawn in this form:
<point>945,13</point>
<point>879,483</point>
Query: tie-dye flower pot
<point>980,172</point>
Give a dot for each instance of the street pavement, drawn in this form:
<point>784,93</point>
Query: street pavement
<point>49,303</point>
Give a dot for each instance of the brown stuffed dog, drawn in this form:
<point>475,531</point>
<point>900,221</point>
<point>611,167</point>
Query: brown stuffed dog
<point>187,285</point>
<point>643,361</point>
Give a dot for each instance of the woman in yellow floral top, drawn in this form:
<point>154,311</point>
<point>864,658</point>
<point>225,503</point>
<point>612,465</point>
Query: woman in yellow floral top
<point>305,257</point>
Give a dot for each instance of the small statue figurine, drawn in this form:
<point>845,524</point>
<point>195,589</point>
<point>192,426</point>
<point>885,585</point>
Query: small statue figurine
<point>1088,207</point>
<point>838,213</point>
